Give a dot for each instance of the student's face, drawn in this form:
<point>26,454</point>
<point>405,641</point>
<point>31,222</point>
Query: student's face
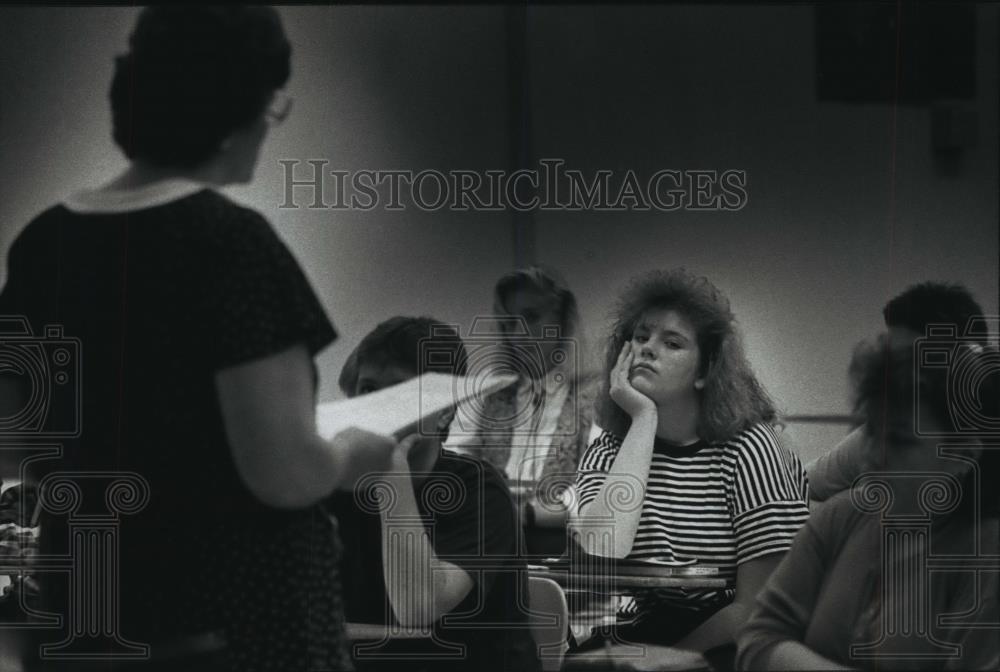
<point>667,358</point>
<point>539,311</point>
<point>374,377</point>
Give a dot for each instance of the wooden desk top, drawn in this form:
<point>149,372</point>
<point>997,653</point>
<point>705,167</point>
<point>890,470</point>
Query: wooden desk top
<point>622,581</point>
<point>378,631</point>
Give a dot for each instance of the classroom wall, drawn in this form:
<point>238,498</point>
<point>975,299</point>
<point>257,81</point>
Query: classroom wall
<point>846,205</point>
<point>392,88</point>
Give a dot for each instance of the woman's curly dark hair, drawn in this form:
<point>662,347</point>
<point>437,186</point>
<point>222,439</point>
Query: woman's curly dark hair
<point>194,74</point>
<point>732,399</point>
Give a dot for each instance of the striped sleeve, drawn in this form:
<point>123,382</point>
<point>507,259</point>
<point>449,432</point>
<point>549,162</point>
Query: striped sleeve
<point>770,495</point>
<point>594,466</point>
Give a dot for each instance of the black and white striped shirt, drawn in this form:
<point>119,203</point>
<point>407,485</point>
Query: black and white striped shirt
<point>720,503</point>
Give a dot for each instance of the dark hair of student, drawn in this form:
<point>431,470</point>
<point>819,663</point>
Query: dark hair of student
<point>417,344</point>
<point>930,303</point>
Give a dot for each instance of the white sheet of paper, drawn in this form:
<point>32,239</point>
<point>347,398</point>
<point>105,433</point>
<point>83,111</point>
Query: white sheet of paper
<point>397,410</point>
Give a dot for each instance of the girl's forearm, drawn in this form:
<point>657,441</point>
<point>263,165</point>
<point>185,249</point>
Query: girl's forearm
<point>614,518</point>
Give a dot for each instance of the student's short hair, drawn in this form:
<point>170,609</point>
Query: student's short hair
<point>193,74</point>
<point>417,344</point>
<point>932,303</point>
<point>548,282</point>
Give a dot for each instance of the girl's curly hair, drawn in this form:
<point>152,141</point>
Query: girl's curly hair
<point>732,399</point>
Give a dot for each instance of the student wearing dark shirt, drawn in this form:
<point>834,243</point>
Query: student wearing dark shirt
<point>432,543</point>
<point>536,429</point>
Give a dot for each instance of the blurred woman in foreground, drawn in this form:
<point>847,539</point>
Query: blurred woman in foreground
<point>856,590</point>
<point>196,331</point>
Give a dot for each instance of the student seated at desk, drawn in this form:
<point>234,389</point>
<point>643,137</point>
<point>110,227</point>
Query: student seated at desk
<point>689,466</point>
<point>857,590</point>
<point>446,522</point>
<point>536,429</point>
<point>907,317</point>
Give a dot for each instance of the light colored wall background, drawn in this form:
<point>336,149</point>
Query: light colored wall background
<point>842,213</point>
